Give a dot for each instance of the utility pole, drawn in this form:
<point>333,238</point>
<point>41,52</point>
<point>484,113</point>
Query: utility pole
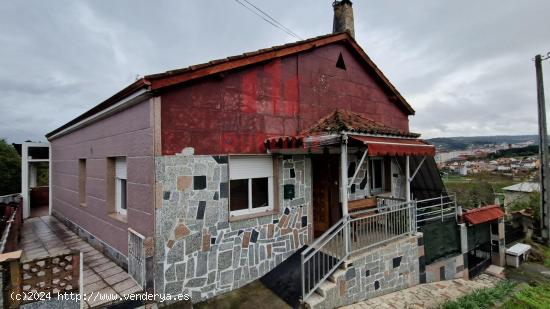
<point>543,151</point>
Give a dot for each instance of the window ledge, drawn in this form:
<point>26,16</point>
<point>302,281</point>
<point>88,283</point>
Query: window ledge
<point>119,217</point>
<point>252,215</point>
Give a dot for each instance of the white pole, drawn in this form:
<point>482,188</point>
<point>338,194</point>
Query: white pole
<point>408,177</point>
<point>25,179</point>
<point>50,167</point>
<point>344,174</point>
<point>344,188</point>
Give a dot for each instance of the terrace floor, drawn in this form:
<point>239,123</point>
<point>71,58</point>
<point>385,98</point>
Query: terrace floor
<point>46,236</point>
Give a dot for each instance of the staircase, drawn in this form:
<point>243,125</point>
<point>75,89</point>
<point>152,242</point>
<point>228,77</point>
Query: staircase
<point>327,292</point>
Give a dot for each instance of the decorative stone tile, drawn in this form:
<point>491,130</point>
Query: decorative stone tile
<point>181,231</point>
<point>199,182</point>
<point>184,183</point>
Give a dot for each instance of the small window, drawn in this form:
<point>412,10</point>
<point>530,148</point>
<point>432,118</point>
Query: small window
<point>377,175</point>
<point>250,185</point>
<point>120,186</point>
<point>82,182</point>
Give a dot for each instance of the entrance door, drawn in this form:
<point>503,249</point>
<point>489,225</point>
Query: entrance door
<point>326,194</point>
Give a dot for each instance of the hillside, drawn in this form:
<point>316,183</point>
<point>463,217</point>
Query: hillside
<point>466,142</point>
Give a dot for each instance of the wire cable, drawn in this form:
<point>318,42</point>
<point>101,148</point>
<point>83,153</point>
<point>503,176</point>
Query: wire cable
<point>273,22</point>
<point>273,19</point>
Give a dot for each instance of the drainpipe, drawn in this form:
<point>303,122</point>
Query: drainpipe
<point>344,187</point>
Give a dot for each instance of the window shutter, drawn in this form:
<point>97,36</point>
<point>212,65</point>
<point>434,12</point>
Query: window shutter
<point>120,168</point>
<point>242,167</point>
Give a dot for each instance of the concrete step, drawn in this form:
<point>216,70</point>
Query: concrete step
<point>314,300</point>
<point>335,275</point>
<point>325,287</point>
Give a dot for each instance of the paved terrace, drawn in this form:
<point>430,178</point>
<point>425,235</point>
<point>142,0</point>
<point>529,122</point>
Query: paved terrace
<point>43,236</point>
<point>430,295</point>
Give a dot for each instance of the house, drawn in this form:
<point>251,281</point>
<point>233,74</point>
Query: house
<point>203,179</point>
<point>519,193</point>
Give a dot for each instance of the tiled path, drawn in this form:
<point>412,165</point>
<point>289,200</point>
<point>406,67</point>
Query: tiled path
<point>429,295</point>
<point>47,236</point>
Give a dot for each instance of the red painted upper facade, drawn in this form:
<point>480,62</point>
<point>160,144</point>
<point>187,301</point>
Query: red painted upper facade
<point>235,112</point>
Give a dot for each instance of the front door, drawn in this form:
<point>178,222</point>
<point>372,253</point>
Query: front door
<point>326,194</point>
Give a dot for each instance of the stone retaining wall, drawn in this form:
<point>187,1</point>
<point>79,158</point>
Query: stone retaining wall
<point>198,250</point>
<point>379,271</point>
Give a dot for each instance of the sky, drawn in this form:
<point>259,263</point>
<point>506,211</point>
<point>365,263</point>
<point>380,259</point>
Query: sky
<point>465,66</point>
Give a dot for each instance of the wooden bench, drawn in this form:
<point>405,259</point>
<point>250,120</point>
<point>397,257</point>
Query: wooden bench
<point>360,205</point>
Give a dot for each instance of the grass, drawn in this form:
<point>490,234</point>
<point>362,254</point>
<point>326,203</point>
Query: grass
<point>483,298</point>
<point>530,297</point>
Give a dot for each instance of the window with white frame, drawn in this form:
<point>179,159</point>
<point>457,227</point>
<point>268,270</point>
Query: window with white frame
<point>377,175</point>
<point>250,184</point>
<point>120,186</point>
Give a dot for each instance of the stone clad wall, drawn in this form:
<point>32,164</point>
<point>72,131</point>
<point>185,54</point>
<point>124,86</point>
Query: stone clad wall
<point>379,271</point>
<point>197,250</point>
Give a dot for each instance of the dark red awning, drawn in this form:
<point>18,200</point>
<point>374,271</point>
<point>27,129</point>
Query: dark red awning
<point>385,146</point>
<point>483,214</point>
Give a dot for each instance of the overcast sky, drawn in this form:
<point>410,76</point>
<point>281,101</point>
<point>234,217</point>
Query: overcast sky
<point>465,66</point>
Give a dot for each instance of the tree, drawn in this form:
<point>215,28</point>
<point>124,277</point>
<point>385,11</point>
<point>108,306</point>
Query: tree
<point>10,169</point>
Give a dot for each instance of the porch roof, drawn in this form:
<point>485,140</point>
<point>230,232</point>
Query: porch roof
<point>380,139</point>
<point>376,145</point>
<point>483,214</point>
<point>385,146</point>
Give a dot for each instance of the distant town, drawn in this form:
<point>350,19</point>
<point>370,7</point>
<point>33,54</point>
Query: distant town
<point>518,160</point>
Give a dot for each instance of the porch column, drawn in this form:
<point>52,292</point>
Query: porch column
<point>344,174</point>
<point>408,180</point>
<point>344,190</point>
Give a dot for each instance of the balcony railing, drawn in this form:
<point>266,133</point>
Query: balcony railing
<point>366,229</point>
<point>358,232</point>
<point>11,221</point>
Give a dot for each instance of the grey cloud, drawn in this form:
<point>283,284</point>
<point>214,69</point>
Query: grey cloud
<point>465,66</point>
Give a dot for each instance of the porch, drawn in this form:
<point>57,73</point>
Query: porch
<point>365,197</point>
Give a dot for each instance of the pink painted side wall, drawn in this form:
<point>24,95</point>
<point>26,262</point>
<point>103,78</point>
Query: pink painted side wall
<point>127,134</point>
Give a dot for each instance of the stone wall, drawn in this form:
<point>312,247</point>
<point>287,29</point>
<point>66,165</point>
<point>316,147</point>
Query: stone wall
<point>446,269</point>
<point>198,250</point>
<point>379,271</point>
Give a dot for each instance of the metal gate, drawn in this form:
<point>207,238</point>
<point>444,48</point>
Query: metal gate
<point>136,257</point>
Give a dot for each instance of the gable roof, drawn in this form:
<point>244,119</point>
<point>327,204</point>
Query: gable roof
<point>156,82</point>
<point>347,121</point>
<point>483,214</point>
<point>340,121</point>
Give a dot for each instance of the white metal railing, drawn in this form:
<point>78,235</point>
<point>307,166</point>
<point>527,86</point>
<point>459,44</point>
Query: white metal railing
<point>324,256</point>
<point>357,232</point>
<point>370,228</point>
<point>438,208</point>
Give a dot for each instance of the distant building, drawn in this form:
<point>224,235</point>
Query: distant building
<point>519,193</point>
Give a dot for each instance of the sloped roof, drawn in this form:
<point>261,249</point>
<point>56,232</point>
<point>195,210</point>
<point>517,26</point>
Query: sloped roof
<point>336,122</point>
<point>483,214</point>
<point>347,121</point>
<point>526,187</point>
<point>155,82</point>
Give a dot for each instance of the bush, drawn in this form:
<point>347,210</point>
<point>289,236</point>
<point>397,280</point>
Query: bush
<point>10,169</point>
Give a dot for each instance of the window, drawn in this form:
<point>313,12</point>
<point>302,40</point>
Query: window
<point>120,186</point>
<point>251,184</point>
<point>82,182</point>
<point>377,175</point>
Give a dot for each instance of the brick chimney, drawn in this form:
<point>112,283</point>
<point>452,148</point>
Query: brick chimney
<point>343,17</point>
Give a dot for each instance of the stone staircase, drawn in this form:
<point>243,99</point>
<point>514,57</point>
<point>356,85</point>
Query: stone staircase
<point>328,292</point>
